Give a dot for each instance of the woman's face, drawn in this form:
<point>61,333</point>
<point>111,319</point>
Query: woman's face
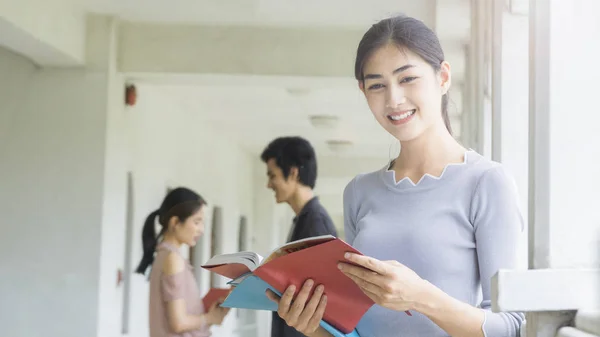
<point>404,92</point>
<point>283,187</point>
<point>190,230</point>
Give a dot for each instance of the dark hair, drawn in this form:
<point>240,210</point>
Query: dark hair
<point>291,152</point>
<point>180,202</point>
<point>409,33</point>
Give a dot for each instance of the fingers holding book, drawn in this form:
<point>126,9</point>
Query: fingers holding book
<point>216,313</point>
<point>304,316</point>
<point>389,283</point>
<point>304,313</point>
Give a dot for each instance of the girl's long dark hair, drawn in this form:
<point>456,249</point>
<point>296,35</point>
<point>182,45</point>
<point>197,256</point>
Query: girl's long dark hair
<point>181,203</point>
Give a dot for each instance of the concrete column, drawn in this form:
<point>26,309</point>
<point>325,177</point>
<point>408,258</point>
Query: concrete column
<point>51,201</point>
<point>510,94</point>
<point>113,298</point>
<point>478,119</point>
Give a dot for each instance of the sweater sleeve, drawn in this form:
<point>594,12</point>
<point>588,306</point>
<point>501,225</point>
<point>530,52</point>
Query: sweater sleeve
<point>498,224</point>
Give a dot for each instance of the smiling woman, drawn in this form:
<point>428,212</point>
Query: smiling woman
<point>436,223</point>
<point>402,63</point>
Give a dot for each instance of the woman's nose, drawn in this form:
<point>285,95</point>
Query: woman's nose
<point>395,96</point>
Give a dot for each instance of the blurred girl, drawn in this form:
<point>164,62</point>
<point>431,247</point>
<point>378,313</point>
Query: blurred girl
<point>176,308</point>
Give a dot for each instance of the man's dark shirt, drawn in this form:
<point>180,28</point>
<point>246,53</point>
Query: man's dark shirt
<point>313,220</point>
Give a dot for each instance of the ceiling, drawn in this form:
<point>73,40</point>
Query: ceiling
<point>256,114</point>
<point>256,110</point>
<point>330,13</point>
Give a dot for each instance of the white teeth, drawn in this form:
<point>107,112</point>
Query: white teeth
<point>402,116</point>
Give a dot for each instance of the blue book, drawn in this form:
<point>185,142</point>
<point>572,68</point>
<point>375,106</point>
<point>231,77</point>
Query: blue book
<point>249,292</point>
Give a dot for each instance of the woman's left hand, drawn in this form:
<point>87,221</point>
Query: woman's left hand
<point>388,283</point>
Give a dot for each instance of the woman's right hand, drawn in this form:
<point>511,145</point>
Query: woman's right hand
<point>216,314</point>
<point>296,312</point>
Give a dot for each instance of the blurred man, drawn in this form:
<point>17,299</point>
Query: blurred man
<point>292,172</point>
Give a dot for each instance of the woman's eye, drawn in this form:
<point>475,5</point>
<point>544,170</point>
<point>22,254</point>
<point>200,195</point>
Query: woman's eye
<point>376,86</point>
<point>408,79</point>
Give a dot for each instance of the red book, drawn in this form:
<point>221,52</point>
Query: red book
<point>294,263</point>
<point>214,295</point>
<point>346,303</point>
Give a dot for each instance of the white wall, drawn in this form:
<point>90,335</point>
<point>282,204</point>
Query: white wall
<point>17,74</point>
<point>170,147</point>
<point>52,152</point>
<point>66,147</point>
<point>51,34</point>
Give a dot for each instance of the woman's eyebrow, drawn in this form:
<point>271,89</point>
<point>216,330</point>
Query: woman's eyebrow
<point>399,70</point>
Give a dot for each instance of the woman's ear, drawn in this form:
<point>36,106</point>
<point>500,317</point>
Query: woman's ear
<point>445,77</point>
<point>361,86</point>
<point>173,221</point>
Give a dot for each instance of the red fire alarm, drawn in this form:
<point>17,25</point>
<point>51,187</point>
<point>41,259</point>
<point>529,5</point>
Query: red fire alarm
<point>130,95</point>
<point>119,277</point>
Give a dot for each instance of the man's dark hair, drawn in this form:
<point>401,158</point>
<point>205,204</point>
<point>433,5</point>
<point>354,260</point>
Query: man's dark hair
<point>291,152</point>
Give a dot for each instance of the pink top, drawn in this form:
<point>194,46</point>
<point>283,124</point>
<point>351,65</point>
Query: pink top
<point>165,288</point>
